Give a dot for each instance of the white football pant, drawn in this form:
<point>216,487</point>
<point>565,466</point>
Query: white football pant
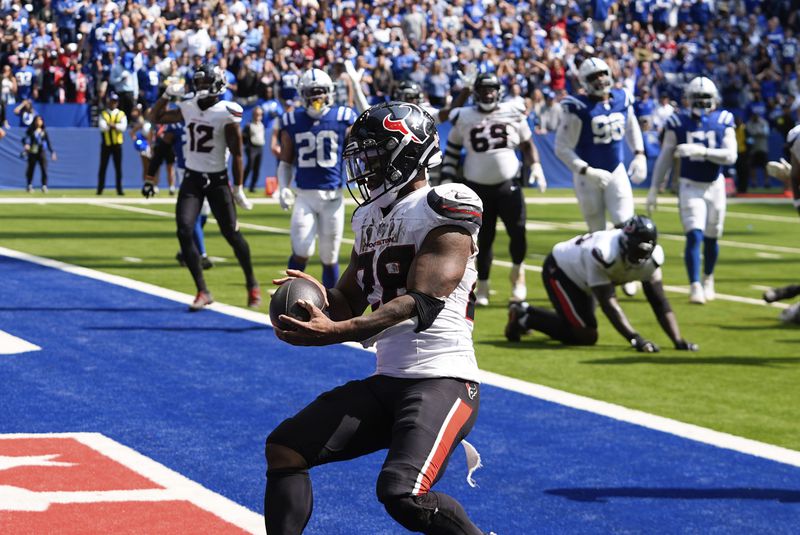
<point>318,212</point>
<point>702,206</point>
<point>616,198</point>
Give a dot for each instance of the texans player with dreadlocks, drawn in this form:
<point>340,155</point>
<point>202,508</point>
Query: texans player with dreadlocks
<point>586,268</point>
<point>212,128</point>
<point>413,263</point>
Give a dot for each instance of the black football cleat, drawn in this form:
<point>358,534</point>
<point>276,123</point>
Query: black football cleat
<point>514,330</point>
<point>254,297</point>
<point>206,262</point>
<point>779,294</point>
<point>201,301</point>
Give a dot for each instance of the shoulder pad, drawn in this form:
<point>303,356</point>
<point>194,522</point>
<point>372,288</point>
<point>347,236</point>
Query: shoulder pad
<point>658,256</point>
<point>457,202</point>
<point>234,109</point>
<point>793,134</point>
<point>345,114</point>
<point>726,118</point>
<point>572,104</point>
<point>601,257</point>
<point>673,121</point>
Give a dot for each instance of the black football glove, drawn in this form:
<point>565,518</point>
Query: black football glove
<point>149,189</point>
<point>644,346</point>
<point>683,345</point>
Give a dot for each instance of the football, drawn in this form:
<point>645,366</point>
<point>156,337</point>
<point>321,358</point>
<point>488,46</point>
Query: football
<point>284,301</point>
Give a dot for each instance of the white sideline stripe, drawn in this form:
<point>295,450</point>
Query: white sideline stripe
<point>650,421</point>
<point>178,487</point>
<point>644,419</point>
<point>662,202</point>
<point>740,215</point>
<point>501,263</point>
<point>95,496</point>
<point>12,345</point>
<point>543,225</point>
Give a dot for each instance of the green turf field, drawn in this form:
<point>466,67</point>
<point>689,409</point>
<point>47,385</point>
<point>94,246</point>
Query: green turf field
<point>744,380</point>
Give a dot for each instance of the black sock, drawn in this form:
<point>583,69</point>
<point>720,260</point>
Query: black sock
<point>287,501</point>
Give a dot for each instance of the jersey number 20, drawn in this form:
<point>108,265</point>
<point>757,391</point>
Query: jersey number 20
<point>318,150</point>
<point>608,128</point>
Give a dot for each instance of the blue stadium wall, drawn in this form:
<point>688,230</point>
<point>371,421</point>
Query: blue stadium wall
<point>78,151</point>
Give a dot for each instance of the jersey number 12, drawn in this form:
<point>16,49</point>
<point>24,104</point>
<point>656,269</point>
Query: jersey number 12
<point>200,137</point>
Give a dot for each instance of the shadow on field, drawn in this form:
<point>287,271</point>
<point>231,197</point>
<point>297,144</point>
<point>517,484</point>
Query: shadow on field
<point>602,494</point>
<point>736,361</point>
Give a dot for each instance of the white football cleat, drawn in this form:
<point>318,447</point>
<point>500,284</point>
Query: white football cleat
<point>708,287</point>
<point>630,288</point>
<point>519,292</point>
<point>482,293</point>
<point>696,294</point>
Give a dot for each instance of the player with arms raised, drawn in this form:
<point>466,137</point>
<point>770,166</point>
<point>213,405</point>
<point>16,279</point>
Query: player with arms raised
<point>491,132</point>
<point>310,173</point>
<point>212,132</point>
<point>703,140</point>
<point>413,263</point>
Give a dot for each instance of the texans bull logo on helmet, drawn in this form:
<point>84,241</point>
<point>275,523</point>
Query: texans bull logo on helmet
<point>400,125</point>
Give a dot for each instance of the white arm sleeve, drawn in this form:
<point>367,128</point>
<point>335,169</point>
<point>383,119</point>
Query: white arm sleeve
<point>285,174</point>
<point>567,135</point>
<point>122,125</point>
<point>102,124</point>
<point>633,133</point>
<point>664,161</point>
<point>726,154</point>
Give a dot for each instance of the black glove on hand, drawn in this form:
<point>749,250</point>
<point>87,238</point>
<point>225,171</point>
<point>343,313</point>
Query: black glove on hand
<point>149,190</point>
<point>644,346</point>
<point>683,345</point>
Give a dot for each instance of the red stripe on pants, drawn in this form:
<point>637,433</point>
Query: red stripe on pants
<point>566,305</point>
<point>442,449</point>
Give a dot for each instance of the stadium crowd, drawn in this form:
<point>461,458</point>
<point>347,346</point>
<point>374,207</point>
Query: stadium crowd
<point>78,51</point>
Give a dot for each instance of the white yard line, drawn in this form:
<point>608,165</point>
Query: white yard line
<point>618,412</point>
<point>501,263</point>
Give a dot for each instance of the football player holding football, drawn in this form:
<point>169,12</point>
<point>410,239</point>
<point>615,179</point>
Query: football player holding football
<point>413,265</point>
<point>310,174</point>
<point>212,131</point>
<point>700,142</point>
<point>586,268</point>
<point>491,132</point>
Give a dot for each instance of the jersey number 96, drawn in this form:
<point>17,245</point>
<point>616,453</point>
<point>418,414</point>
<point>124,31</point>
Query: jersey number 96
<point>608,128</point>
<point>317,150</point>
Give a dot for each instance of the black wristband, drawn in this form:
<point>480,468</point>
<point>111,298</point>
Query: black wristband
<point>428,308</point>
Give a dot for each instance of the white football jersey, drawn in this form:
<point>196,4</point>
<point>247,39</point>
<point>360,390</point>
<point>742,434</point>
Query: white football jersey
<point>491,140</point>
<point>596,259</point>
<point>205,149</point>
<point>386,247</point>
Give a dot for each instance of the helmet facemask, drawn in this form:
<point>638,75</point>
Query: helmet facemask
<point>317,100</point>
<point>702,103</point>
<point>208,82</point>
<point>487,97</point>
<point>637,252</point>
<point>598,84</point>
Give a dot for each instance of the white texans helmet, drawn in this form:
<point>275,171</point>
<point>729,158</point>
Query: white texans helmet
<point>595,77</point>
<point>316,91</point>
<point>702,95</point>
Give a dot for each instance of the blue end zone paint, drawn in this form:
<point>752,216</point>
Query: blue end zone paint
<point>200,392</point>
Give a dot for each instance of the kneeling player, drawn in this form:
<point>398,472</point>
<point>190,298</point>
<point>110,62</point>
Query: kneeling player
<point>588,267</point>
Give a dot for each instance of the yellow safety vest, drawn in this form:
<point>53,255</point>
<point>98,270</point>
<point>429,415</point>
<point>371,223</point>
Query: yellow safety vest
<point>112,136</point>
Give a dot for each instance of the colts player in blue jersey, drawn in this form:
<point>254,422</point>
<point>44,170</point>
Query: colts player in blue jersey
<point>700,141</point>
<point>310,174</point>
<point>589,142</point>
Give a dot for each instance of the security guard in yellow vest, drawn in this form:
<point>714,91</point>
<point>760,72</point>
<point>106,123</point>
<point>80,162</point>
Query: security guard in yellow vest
<point>112,123</point>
